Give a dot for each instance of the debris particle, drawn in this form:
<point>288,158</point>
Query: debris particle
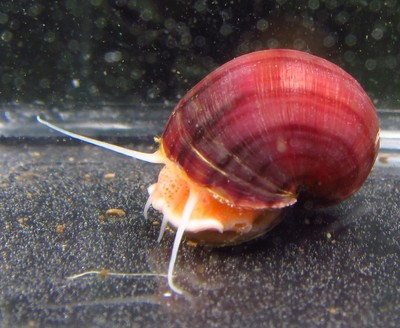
<point>383,159</point>
<point>333,310</point>
<point>115,212</point>
<point>109,176</point>
<point>87,177</point>
<point>104,273</point>
<point>60,228</point>
<point>36,154</point>
<point>23,221</point>
<point>192,243</point>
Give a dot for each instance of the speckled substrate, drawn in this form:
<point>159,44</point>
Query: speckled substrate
<point>332,267</point>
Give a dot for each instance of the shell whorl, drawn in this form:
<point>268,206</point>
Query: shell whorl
<point>269,125</point>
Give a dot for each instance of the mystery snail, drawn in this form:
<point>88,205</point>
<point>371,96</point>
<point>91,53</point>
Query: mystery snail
<point>253,137</point>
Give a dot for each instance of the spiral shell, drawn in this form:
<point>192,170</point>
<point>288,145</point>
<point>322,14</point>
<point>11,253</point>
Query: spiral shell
<point>272,126</point>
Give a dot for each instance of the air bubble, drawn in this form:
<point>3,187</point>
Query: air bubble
<point>113,56</point>
<point>331,4</point>
<point>170,42</point>
<point>226,29</point>
<point>19,81</point>
<point>186,39</point>
<point>342,17</point>
<point>44,83</point>
<point>390,62</point>
<point>299,44</point>
<point>146,15</point>
<point>6,36</point>
<point>391,3</point>
<point>50,37</point>
<point>329,41</point>
<point>370,64</point>
<point>96,3</point>
<point>3,18</point>
<point>272,43</point>
<point>170,24</point>
<point>73,45</point>
<point>350,40</point>
<point>35,10</point>
<point>6,78</point>
<point>313,4</point>
<point>200,6</point>
<point>136,74</point>
<point>377,33</point>
<point>350,56</point>
<point>375,5</point>
<point>262,25</point>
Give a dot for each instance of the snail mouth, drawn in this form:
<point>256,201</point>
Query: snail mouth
<point>212,221</point>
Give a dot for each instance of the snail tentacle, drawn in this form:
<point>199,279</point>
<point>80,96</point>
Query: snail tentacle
<point>187,212</point>
<point>164,221</point>
<point>149,202</point>
<point>163,227</point>
<point>156,157</point>
<point>147,207</point>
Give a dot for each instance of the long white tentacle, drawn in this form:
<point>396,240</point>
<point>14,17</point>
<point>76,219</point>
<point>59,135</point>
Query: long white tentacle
<point>187,212</point>
<point>163,227</point>
<point>151,158</point>
<point>147,207</point>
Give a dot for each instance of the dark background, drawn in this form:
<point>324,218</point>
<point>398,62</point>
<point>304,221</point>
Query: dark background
<point>144,51</point>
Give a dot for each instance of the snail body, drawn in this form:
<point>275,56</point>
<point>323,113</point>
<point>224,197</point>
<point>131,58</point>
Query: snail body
<point>253,137</point>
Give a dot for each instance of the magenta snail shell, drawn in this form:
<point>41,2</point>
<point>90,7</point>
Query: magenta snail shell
<point>257,134</point>
<point>274,125</point>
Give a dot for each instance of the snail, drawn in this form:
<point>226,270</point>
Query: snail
<point>254,136</point>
